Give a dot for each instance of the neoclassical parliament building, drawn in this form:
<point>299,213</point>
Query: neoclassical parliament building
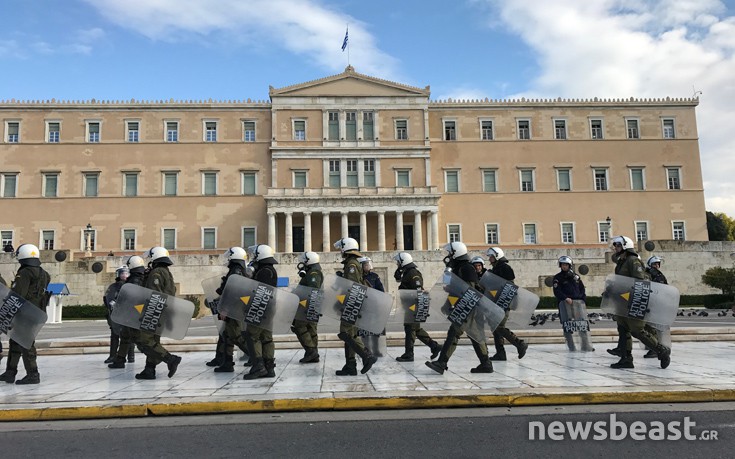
<point>348,155</point>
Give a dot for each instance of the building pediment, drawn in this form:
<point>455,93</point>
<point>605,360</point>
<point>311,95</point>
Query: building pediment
<point>349,84</point>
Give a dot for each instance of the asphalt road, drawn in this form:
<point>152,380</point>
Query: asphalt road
<point>481,433</point>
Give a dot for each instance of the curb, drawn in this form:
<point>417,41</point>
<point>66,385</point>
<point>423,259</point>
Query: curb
<point>353,401</point>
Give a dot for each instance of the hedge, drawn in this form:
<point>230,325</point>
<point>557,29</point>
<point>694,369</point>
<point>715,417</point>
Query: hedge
<point>99,311</point>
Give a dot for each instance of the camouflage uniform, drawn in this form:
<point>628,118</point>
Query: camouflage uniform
<point>502,269</point>
<point>306,332</point>
<point>128,336</point>
<point>411,279</point>
<point>260,344</point>
<point>232,333</point>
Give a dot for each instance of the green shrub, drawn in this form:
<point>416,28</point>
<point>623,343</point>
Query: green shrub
<point>84,311</point>
<point>194,299</point>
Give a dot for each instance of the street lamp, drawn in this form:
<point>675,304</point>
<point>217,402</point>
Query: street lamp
<point>609,227</point>
<point>88,232</point>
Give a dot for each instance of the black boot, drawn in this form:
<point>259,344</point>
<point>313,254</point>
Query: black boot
<point>310,356</point>
<point>30,378</point>
<point>256,371</point>
<point>499,348</point>
<point>117,363</point>
<point>131,354</point>
<point>149,372</point>
<point>616,351</point>
<point>218,360</point>
<point>172,361</point>
<point>625,362</point>
<point>439,366</point>
<point>664,355</point>
<point>407,344</point>
<point>270,368</point>
<point>484,367</point>
<point>406,357</point>
<point>9,376</point>
<point>521,346</point>
<point>368,360</point>
<point>619,351</point>
<point>436,348</point>
<point>651,354</point>
<point>114,342</point>
<point>227,367</point>
<point>350,369</point>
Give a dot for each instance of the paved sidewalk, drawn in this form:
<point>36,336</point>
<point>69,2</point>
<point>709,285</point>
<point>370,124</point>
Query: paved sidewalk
<point>81,386</point>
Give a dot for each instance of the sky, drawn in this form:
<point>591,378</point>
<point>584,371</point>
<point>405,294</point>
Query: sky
<point>236,49</point>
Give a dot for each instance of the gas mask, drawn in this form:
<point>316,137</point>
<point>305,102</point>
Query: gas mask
<point>301,267</point>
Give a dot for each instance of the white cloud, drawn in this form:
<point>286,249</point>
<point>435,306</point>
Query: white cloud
<point>652,48</point>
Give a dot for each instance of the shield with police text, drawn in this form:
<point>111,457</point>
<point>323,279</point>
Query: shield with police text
<point>419,306</point>
<point>376,343</point>
<point>155,312</point>
<point>520,302</point>
<point>258,304</point>
<point>640,299</point>
<point>211,299</point>
<point>355,304</point>
<point>310,303</point>
<point>21,320</point>
<point>576,326</point>
<point>468,308</point>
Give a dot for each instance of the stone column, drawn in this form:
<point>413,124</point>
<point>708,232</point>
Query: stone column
<point>289,232</point>
<point>326,239</point>
<point>399,230</point>
<point>381,231</point>
<point>435,228</point>
<point>345,224</point>
<point>271,230</point>
<point>429,236</point>
<point>363,230</point>
<point>418,242</point>
<point>307,231</point>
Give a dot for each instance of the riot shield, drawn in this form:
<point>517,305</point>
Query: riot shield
<point>258,304</point>
<point>468,308</point>
<point>21,320</point>
<point>355,304</point>
<point>211,299</point>
<point>663,335</point>
<point>520,302</point>
<point>376,343</point>
<point>147,310</point>
<point>575,325</point>
<point>419,306</point>
<point>310,303</point>
<point>640,299</point>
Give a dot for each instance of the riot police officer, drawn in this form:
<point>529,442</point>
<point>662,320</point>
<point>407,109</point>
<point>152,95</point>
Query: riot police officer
<point>568,287</point>
<point>121,275</point>
<point>653,268</point>
<point>501,268</point>
<point>479,265</point>
<point>458,261</point>
<point>129,336</point>
<point>629,264</point>
<point>352,270</point>
<point>410,278</point>
<point>30,283</point>
<point>260,344</point>
<point>232,334</point>
<point>2,282</point>
<point>159,279</point>
<point>311,275</point>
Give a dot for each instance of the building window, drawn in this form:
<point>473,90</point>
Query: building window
<point>335,180</point>
<point>596,129</point>
<point>6,237</point>
<point>564,179</point>
<point>8,185</point>
<point>248,236</point>
<point>637,179</point>
<point>450,130</point>
<point>54,131</point>
<point>454,232</point>
<point>91,183</point>
<point>93,131</point>
<point>641,231</point>
<point>351,125</point>
<point>529,233</point>
<point>209,183</point>
<point>249,182</point>
<point>128,239</point>
<point>492,233</point>
<point>50,185</point>
<point>170,183</point>
<point>168,238</point>
<point>560,129</point>
<point>47,239</point>
<point>673,178</point>
<point>369,172</point>
<point>524,129</point>
<point>210,131</point>
<point>668,128</point>
<point>401,129</point>
<point>603,231</point>
<point>527,179</point>
<point>451,181</point>
<point>299,179</point>
<point>679,231</point>
<point>351,165</point>
<point>299,129</point>
<point>632,126</point>
<point>333,129</point>
<point>248,129</point>
<point>403,177</point>
<point>489,181</point>
<point>172,131</point>
<point>13,131</point>
<point>209,238</point>
<point>130,184</point>
<point>486,129</point>
<point>368,131</point>
<point>567,233</point>
<point>133,131</point>
<point>600,179</point>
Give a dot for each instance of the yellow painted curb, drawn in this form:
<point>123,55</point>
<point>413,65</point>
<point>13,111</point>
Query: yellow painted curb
<point>75,412</point>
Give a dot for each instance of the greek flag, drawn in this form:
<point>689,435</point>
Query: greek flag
<point>344,43</point>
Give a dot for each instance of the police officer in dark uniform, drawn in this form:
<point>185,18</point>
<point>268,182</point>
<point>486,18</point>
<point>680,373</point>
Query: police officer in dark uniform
<point>129,336</point>
<point>410,278</point>
<point>568,287</point>
<point>30,283</point>
<point>121,275</point>
<point>2,281</point>
<point>232,333</point>
<point>479,265</point>
<point>352,270</point>
<point>260,344</point>
<point>458,261</point>
<point>311,275</point>
<point>653,268</point>
<point>501,268</point>
<point>629,264</point>
<point>159,279</point>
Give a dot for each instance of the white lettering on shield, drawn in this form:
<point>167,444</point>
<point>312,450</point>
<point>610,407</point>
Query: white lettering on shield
<point>152,314</point>
<point>258,305</point>
<point>8,310</point>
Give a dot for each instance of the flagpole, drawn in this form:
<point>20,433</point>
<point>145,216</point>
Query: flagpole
<point>348,45</point>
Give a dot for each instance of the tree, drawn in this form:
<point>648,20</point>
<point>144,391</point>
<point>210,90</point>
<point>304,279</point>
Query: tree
<point>720,278</point>
<point>716,227</point>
